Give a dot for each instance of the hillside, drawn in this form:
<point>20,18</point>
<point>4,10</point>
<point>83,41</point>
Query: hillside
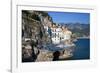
<point>78,29</point>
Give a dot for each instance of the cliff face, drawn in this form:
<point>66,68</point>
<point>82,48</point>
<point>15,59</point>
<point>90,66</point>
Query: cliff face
<point>33,25</point>
<point>33,33</point>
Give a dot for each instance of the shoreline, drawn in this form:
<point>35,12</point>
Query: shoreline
<point>79,38</point>
<point>83,38</point>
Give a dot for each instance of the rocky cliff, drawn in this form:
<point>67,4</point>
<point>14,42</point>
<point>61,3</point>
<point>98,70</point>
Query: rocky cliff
<point>33,32</point>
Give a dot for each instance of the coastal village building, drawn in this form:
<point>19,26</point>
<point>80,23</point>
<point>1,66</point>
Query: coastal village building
<point>60,34</point>
<point>56,33</point>
<point>66,35</point>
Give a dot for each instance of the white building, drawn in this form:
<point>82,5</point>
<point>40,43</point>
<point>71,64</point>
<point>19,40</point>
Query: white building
<point>46,28</point>
<point>56,35</point>
<point>60,35</point>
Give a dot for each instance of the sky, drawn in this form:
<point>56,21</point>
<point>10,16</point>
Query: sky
<point>70,17</point>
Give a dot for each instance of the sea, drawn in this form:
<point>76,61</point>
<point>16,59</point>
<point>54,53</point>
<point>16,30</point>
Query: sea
<point>82,49</point>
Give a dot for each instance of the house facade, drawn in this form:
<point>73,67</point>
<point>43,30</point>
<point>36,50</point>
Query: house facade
<point>60,34</point>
